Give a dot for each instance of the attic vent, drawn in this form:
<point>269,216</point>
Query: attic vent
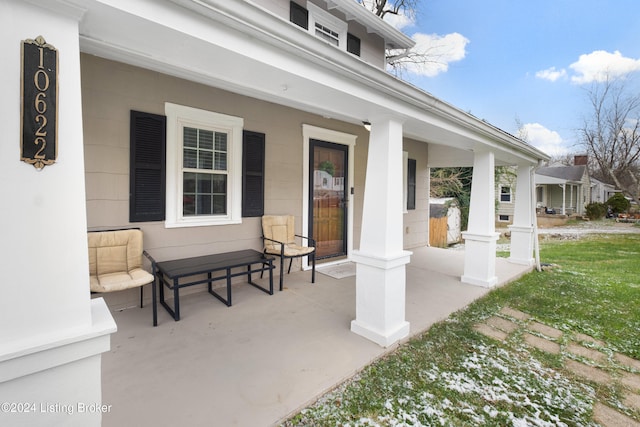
<point>327,34</point>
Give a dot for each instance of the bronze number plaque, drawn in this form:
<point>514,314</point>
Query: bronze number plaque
<point>39,83</point>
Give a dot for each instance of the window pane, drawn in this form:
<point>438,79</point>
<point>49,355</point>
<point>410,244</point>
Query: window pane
<point>188,205</point>
<point>219,184</point>
<point>203,204</point>
<point>221,141</point>
<point>189,182</point>
<point>505,194</point>
<point>189,158</point>
<point>190,136</point>
<point>206,160</point>
<point>204,183</point>
<point>198,148</point>
<point>204,194</point>
<point>221,161</point>
<point>219,204</point>
<point>206,140</point>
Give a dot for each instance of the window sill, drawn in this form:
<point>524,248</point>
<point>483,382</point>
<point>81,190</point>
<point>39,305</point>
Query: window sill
<point>201,222</point>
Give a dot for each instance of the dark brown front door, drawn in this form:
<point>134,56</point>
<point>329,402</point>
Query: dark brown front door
<point>328,192</point>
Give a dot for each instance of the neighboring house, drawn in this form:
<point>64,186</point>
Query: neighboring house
<point>601,191</point>
<point>559,189</point>
<point>506,196</point>
<point>190,119</point>
<point>564,190</point>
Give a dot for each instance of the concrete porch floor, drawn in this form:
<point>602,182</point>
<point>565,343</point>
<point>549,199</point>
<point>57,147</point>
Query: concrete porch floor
<point>264,358</point>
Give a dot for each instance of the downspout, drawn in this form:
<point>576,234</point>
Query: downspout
<point>536,242</point>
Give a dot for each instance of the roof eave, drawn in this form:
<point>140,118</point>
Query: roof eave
<point>394,39</point>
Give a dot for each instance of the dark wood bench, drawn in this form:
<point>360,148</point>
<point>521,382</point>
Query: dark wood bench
<point>170,274</point>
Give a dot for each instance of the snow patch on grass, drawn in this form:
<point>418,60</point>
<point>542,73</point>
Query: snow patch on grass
<point>491,386</point>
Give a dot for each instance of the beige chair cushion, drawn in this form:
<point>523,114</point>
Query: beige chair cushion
<point>293,250</point>
<point>119,281</point>
<point>115,260</point>
<point>282,229</point>
<point>111,259</point>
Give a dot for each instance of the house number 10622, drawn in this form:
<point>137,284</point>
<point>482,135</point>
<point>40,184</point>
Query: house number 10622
<point>39,102</point>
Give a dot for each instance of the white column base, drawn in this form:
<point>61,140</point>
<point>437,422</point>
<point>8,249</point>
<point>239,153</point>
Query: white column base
<point>60,377</point>
<point>382,338</point>
<point>380,297</point>
<point>480,259</point>
<point>521,245</point>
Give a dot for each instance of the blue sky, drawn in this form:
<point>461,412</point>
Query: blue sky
<point>530,61</point>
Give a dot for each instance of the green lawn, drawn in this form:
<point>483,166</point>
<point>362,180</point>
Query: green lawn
<point>455,376</point>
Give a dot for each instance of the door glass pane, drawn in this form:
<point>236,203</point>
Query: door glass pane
<point>329,201</point>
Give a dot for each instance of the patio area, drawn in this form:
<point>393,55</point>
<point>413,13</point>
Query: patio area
<point>264,358</point>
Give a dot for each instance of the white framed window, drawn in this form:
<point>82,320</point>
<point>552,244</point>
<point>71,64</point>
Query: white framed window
<point>503,218</point>
<point>326,26</point>
<point>204,167</point>
<point>505,194</point>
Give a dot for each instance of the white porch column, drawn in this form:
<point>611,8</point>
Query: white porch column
<point>522,228</point>
<point>564,198</point>
<point>381,260</point>
<point>571,199</point>
<point>480,237</point>
<point>52,333</point>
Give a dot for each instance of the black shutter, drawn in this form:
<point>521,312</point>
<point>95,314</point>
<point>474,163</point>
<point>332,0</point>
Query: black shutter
<point>299,15</point>
<point>411,184</point>
<point>253,156</point>
<point>147,167</point>
<point>353,44</point>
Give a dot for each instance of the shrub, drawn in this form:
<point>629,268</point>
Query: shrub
<point>618,203</point>
<point>596,210</point>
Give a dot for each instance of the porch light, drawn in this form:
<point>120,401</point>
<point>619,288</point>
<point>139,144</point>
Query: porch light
<point>367,125</point>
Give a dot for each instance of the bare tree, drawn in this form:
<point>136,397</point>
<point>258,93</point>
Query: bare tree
<point>611,135</point>
<point>384,7</point>
<point>402,60</point>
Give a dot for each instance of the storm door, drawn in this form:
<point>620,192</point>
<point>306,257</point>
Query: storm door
<point>328,183</point>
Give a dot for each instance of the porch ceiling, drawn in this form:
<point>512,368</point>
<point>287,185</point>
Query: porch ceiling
<point>244,49</point>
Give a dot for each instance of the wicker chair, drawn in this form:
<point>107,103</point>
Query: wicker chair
<point>279,239</point>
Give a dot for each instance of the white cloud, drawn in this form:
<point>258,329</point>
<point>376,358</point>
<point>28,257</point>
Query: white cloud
<point>551,74</point>
<point>437,53</point>
<point>432,53</point>
<point>399,21</point>
<point>599,64</point>
<point>548,141</point>
<point>596,66</point>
